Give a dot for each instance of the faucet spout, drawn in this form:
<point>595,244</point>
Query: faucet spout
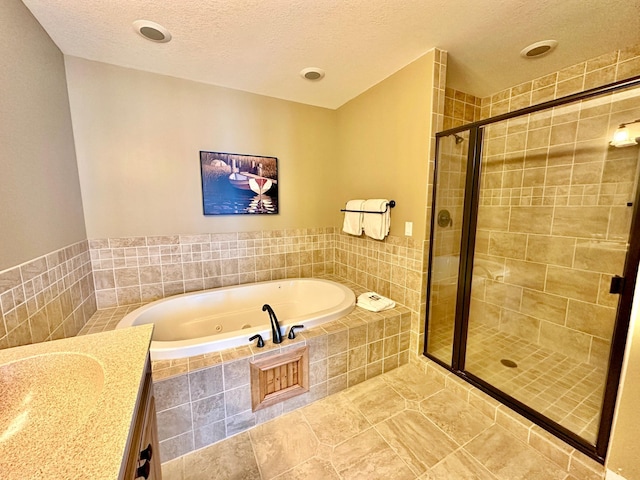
<point>276,334</point>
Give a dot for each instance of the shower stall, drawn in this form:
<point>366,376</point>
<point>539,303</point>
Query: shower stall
<point>534,252</point>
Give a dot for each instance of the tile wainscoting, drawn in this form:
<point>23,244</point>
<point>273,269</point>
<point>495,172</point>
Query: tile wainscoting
<point>47,298</point>
<point>134,270</point>
<point>142,269</point>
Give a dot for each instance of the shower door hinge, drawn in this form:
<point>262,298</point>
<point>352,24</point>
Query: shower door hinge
<point>617,284</point>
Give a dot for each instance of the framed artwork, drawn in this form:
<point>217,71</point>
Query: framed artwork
<point>235,184</point>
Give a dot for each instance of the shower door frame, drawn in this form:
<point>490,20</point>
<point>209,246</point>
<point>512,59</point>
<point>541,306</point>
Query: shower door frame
<point>463,299</point>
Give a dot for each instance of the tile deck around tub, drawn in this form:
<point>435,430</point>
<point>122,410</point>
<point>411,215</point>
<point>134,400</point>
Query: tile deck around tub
<point>203,399</point>
<point>403,424</point>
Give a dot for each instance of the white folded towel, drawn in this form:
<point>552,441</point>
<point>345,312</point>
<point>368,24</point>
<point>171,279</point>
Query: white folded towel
<point>374,302</point>
<point>376,225</point>
<point>353,220</point>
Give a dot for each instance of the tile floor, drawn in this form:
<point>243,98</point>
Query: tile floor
<point>565,390</point>
<point>400,425</point>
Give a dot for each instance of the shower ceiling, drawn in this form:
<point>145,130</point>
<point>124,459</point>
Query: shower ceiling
<point>260,45</point>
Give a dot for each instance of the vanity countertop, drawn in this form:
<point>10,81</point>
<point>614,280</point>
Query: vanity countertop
<point>68,406</point>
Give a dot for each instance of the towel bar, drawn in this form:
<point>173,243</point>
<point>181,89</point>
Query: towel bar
<point>391,204</point>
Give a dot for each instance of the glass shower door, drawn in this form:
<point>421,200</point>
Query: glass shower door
<point>554,214</point>
<point>446,237</point>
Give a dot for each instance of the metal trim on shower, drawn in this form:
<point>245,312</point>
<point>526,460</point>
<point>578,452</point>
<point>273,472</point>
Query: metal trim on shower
<point>596,450</point>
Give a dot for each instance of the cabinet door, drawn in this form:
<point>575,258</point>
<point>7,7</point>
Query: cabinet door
<point>150,441</point>
<point>143,457</point>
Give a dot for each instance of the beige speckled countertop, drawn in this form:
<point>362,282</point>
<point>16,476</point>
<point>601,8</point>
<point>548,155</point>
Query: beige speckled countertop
<point>97,377</point>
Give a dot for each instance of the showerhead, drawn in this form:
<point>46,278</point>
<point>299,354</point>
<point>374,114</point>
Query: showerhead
<point>458,138</point>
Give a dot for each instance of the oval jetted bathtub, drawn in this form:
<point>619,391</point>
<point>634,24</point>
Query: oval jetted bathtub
<point>208,321</point>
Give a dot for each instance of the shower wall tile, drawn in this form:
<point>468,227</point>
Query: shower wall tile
<point>531,219</point>
<point>598,71</point>
<point>573,283</point>
<point>592,319</point>
<point>570,342</point>
<point>606,257</point>
<point>47,298</point>
<point>552,178</point>
<point>544,306</point>
<point>459,108</point>
<point>549,249</point>
<point>525,274</point>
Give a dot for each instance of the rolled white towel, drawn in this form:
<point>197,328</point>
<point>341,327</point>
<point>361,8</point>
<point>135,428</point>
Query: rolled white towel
<point>374,302</point>
<point>353,220</point>
<point>376,225</point>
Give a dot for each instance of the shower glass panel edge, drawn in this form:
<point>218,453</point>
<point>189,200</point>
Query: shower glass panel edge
<point>445,245</point>
<point>596,449</point>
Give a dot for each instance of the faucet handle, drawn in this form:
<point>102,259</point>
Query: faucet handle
<point>260,343</point>
<point>292,333</point>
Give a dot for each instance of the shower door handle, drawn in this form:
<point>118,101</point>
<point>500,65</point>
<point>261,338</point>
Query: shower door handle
<point>617,284</point>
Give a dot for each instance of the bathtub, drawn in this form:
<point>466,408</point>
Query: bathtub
<point>212,320</point>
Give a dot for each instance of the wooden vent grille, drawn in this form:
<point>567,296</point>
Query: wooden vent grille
<point>279,377</point>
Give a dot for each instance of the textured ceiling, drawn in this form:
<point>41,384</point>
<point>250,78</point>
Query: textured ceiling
<point>260,46</point>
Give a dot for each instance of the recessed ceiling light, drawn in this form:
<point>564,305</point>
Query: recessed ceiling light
<point>538,49</point>
<point>312,73</point>
<point>152,31</point>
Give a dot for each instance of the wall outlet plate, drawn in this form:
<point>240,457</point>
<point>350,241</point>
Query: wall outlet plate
<point>408,229</point>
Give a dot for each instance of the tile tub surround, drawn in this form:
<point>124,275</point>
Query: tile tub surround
<point>211,399</point>
<point>415,422</point>
<point>47,298</point>
<point>136,270</point>
<point>394,268</point>
<point>203,399</point>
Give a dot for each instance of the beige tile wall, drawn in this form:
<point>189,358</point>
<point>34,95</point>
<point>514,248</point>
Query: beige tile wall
<point>553,210</point>
<point>48,298</point>
<point>437,125</point>
<point>142,269</point>
<point>460,108</point>
<point>598,71</point>
<point>130,271</point>
<point>204,399</point>
<point>393,267</point>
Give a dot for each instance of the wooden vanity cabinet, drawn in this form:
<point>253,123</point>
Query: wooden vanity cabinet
<point>143,457</point>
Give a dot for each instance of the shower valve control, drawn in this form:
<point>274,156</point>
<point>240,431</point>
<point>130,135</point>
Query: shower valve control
<point>444,218</point>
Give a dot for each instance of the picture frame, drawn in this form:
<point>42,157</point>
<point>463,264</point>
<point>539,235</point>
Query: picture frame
<point>238,184</point>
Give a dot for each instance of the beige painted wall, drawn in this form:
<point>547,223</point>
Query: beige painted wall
<point>40,203</point>
<point>624,449</point>
<point>138,137</point>
<point>384,144</point>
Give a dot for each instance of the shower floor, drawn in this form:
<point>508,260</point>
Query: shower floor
<point>565,390</point>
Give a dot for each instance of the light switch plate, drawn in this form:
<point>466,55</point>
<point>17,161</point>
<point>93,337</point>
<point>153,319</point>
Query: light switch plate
<point>408,229</point>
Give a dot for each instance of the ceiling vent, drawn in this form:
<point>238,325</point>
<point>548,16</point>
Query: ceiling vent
<point>312,73</point>
<point>152,31</point>
<point>539,49</point>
